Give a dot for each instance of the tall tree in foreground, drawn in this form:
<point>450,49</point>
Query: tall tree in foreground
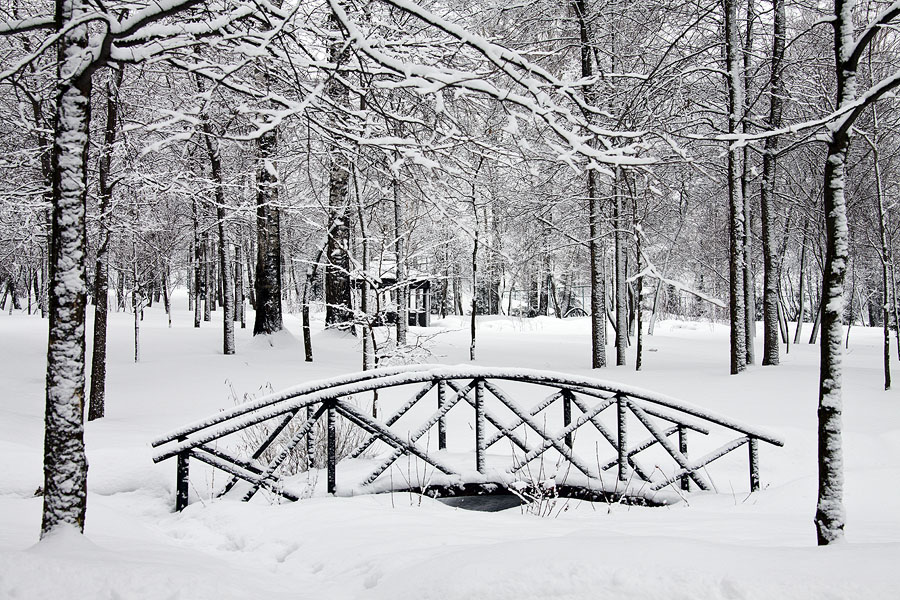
<point>65,462</point>
<point>848,50</point>
<point>81,49</point>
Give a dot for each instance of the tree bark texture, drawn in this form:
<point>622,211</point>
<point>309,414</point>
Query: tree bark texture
<point>97,403</point>
<point>225,289</point>
<point>65,462</point>
<point>771,263</point>
<point>399,250</point>
<point>735,197</point>
<point>621,304</point>
<point>268,240</point>
<point>749,282</point>
<point>830,515</point>
<point>885,254</point>
<point>598,302</point>
<point>338,300</point>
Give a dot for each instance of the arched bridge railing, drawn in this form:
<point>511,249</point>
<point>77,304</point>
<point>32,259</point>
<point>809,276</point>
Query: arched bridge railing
<point>462,430</point>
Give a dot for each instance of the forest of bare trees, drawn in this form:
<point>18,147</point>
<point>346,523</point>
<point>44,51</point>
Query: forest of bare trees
<point>722,160</point>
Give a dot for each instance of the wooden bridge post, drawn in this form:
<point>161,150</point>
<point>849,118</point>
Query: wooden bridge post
<point>442,426</point>
<point>567,414</point>
<point>310,440</point>
<point>754,464</point>
<point>479,425</point>
<point>331,444</point>
<point>182,469</point>
<point>622,406</point>
<point>683,448</point>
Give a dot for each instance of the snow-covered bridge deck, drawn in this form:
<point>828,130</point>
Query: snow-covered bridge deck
<point>540,433</point>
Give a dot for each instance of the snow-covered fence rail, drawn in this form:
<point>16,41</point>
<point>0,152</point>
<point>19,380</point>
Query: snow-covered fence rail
<point>602,415</point>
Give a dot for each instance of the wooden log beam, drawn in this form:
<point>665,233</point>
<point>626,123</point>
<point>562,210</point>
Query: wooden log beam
<point>269,472</point>
<point>395,417</point>
<point>679,458</point>
<point>690,468</point>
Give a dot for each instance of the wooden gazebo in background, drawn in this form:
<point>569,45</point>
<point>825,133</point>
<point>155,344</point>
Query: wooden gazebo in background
<point>382,279</point>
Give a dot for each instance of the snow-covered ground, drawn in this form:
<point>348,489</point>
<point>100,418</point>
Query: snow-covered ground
<point>725,545</point>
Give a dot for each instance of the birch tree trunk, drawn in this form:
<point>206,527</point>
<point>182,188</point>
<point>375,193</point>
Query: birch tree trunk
<point>830,507</point>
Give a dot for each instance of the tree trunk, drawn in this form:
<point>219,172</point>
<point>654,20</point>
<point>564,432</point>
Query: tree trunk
<point>198,262</point>
<point>337,272</point>
<point>240,307</point>
<point>830,516</point>
<point>814,335</point>
<point>802,307</point>
<point>268,240</point>
<point>598,303</point>
<point>830,511</point>
<point>735,197</point>
<point>65,463</point>
<point>474,268</point>
<point>227,293</point>
<point>640,288</point>
<point>771,264</point>
<point>164,289</point>
<point>749,283</point>
<point>208,284</point>
<point>621,302</point>
<point>885,253</point>
<point>97,403</point>
<point>399,250</point>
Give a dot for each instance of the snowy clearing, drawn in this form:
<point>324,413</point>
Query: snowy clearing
<point>726,545</point>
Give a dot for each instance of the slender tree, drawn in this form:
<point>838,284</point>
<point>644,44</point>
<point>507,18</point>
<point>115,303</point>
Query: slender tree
<point>771,262</point>
<point>97,406</point>
<point>735,85</point>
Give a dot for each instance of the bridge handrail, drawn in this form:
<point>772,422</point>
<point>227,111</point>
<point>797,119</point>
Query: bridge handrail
<point>297,397</point>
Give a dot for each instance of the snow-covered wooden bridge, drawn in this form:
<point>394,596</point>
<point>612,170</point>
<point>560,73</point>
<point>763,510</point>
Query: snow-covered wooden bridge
<point>464,430</point>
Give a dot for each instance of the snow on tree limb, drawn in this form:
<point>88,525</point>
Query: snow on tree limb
<point>651,271</point>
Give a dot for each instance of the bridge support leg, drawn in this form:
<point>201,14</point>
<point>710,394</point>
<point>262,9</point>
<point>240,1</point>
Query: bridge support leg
<point>479,425</point>
<point>442,426</point>
<point>683,448</point>
<point>331,443</point>
<point>622,406</point>
<point>181,480</point>
<point>567,415</point>
<point>754,464</point>
<point>310,440</point>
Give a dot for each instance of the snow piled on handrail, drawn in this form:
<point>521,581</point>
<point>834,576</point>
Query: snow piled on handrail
<point>298,396</point>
